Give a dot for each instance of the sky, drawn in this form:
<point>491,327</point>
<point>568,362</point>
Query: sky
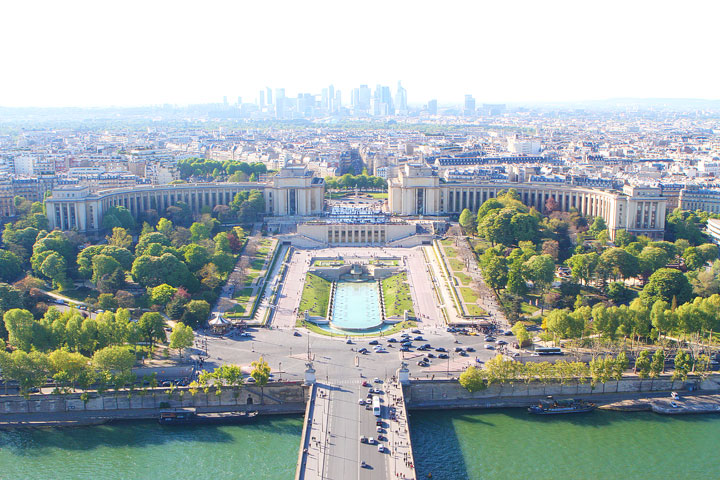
<point>148,52</point>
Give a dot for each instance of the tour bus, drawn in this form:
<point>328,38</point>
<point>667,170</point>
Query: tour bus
<point>376,406</point>
<point>548,351</point>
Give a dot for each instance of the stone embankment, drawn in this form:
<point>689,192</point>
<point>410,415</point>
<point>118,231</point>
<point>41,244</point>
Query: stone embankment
<point>72,410</point>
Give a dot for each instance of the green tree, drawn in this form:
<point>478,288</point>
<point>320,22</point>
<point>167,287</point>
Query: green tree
<point>196,256</point>
<point>162,294</point>
<point>494,269</point>
<point>119,238</point>
<point>665,284</point>
<point>55,268</point>
<point>68,368</point>
<point>181,337</point>
<point>114,358</point>
<point>472,379</point>
<point>107,301</point>
<point>261,373</point>
<point>196,313</point>
<point>521,333</point>
<point>165,227</point>
<point>683,365</point>
<point>30,370</point>
<point>10,266</point>
<point>152,326</point>
<point>657,366</point>
<point>643,364</point>
<point>467,221</point>
<point>19,325</point>
<point>199,231</point>
<point>583,266</point>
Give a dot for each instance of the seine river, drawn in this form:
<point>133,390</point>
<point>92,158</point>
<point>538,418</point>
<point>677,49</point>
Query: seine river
<point>264,449</point>
<point>511,444</point>
<point>471,444</point>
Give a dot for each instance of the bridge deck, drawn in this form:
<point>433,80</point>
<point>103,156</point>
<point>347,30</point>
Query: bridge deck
<point>335,421</point>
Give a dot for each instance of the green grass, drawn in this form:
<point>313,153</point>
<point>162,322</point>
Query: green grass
<point>396,293</point>
<point>391,331</point>
<point>328,263</point>
<point>456,265</point>
<point>379,196</point>
<point>243,295</point>
<point>336,195</point>
<point>468,295</point>
<point>392,262</point>
<point>237,310</point>
<point>315,295</point>
<point>464,278</point>
<point>79,294</point>
<point>528,309</point>
<point>475,311</point>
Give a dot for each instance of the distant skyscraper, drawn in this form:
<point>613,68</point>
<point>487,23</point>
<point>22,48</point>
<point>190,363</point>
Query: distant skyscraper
<point>269,96</point>
<point>432,107</point>
<point>279,103</point>
<point>469,105</point>
<point>261,99</point>
<point>382,101</point>
<point>337,103</point>
<point>401,100</point>
<point>239,101</point>
<point>225,100</point>
<point>331,99</point>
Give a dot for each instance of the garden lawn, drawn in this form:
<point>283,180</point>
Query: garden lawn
<point>315,295</point>
<point>396,293</point>
<point>468,295</point>
<point>475,310</point>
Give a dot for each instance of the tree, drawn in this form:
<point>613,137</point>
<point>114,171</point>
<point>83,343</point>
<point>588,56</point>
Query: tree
<point>683,365</point>
<point>210,276</point>
<point>467,221</point>
<point>516,284</point>
<point>114,358</point>
<point>494,269</point>
<point>196,256</point>
<point>651,259</point>
<point>152,325</point>
<point>260,372</point>
<point>19,325</point>
<point>68,368</point>
<point>55,268</point>
<point>709,252</point>
<point>148,239</point>
<point>10,266</point>
<point>597,226</point>
<point>563,325</point>
<point>181,337</point>
<point>30,370</point>
<point>162,294</point>
<point>165,227</point>
<point>472,379</point>
<point>643,364</point>
<point>151,271</point>
<point>222,243</point>
<point>119,238</point>
<point>665,284</point>
<point>657,366</point>
<point>199,231</point>
<point>103,265</point>
<point>196,312</point>
<point>107,301</point>
<point>521,333</point>
<point>621,263</point>
<point>623,238</point>
<point>692,258</point>
<point>583,266</point>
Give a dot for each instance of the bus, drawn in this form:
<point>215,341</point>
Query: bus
<point>376,406</point>
<point>548,351</point>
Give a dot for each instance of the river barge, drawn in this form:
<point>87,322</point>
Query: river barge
<point>568,405</point>
<point>190,416</point>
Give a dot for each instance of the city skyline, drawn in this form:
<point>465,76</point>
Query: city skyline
<point>87,54</point>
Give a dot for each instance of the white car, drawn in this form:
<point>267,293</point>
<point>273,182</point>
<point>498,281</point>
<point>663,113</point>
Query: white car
<point>381,448</point>
<point>361,401</point>
<point>371,441</point>
<point>377,380</point>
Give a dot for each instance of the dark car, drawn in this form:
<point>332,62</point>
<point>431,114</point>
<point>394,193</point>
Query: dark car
<point>404,349</point>
<point>374,342</point>
<point>458,349</point>
<point>430,355</point>
<point>363,350</point>
<point>463,353</point>
<point>440,349</point>
<point>422,348</point>
<point>392,340</point>
<point>427,345</point>
<point>443,355</point>
<point>419,338</point>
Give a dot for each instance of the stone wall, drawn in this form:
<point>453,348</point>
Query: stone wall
<point>275,397</point>
<point>446,393</point>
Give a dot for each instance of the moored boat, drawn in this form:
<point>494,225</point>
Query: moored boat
<point>568,405</point>
<point>189,416</point>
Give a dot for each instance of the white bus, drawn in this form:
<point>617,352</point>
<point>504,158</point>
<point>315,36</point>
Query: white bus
<point>376,406</point>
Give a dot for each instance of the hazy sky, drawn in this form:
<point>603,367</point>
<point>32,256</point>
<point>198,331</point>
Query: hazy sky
<point>97,53</point>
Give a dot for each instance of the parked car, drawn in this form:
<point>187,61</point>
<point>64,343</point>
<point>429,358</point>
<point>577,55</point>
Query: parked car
<point>373,342</point>
<point>443,356</point>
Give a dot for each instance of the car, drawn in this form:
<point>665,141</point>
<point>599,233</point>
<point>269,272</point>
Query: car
<point>674,405</point>
<point>392,340</point>
<point>363,439</point>
<point>365,383</point>
<point>516,354</point>
<point>370,394</point>
<point>363,350</point>
<point>377,380</point>
<point>244,334</point>
<point>371,441</point>
<point>469,349</point>
<point>458,349</point>
<point>489,338</point>
<point>443,356</point>
<point>382,438</point>
<point>427,345</point>
<point>419,338</point>
<point>297,334</point>
<point>440,349</point>
<point>508,333</point>
<point>463,353</point>
<point>415,330</point>
<point>430,355</point>
<point>422,348</point>
<point>420,363</point>
<point>381,448</point>
<point>249,380</point>
<point>361,401</point>
<point>675,395</point>
<point>478,360</point>
<point>373,342</point>
<point>364,465</point>
<point>381,350</point>
<point>349,341</point>
<point>404,349</point>
<point>489,346</point>
<point>379,429</point>
<point>501,342</point>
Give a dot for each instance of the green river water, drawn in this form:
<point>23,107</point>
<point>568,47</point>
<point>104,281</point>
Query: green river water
<point>471,444</point>
<point>512,444</point>
<point>264,449</point>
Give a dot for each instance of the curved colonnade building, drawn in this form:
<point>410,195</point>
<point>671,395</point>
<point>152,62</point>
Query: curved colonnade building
<point>418,191</point>
<point>292,192</point>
